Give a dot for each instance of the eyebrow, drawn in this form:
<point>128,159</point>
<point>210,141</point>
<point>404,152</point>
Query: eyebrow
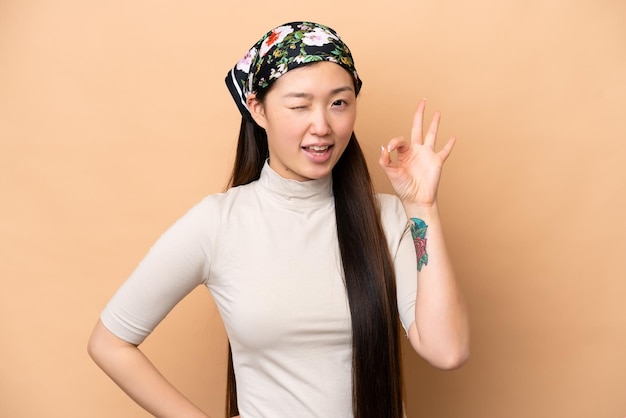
<point>302,95</point>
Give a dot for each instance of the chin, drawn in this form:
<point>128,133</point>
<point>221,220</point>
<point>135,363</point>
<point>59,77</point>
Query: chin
<point>317,174</point>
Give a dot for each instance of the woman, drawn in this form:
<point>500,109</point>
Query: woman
<point>311,271</point>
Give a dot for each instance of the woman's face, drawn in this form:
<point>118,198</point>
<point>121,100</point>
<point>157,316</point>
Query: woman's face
<point>308,115</point>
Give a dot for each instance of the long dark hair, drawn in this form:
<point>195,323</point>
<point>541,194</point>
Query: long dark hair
<point>368,274</point>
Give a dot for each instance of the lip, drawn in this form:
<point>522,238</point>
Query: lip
<point>318,156</point>
<point>318,144</point>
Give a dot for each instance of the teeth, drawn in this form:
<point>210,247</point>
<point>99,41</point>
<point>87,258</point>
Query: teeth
<point>318,148</point>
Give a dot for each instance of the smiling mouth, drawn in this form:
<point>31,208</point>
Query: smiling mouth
<point>317,148</point>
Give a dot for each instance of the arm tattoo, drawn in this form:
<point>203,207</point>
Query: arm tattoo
<point>418,231</point>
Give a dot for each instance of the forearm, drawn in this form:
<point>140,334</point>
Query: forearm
<point>441,330</point>
<point>133,372</point>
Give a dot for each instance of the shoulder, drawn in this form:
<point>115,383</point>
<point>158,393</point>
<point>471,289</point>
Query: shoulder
<point>203,223</point>
<point>222,200</point>
<point>216,209</point>
<point>392,215</point>
<point>394,220</point>
<point>391,207</point>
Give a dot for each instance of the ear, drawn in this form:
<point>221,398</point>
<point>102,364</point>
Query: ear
<point>257,110</point>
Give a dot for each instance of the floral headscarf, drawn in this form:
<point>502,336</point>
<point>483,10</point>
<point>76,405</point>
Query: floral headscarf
<point>282,49</point>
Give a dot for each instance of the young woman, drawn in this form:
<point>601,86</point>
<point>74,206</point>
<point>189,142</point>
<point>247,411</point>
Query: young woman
<point>312,271</point>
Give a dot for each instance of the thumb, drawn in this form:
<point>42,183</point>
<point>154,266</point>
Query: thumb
<point>397,143</point>
<point>385,158</point>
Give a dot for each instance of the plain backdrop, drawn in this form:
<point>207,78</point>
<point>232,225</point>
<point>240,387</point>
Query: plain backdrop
<point>114,120</point>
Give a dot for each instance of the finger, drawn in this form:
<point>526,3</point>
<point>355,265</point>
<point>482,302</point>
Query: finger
<point>386,162</point>
<point>384,159</point>
<point>398,144</point>
<point>418,122</point>
<point>447,149</point>
<point>431,135</point>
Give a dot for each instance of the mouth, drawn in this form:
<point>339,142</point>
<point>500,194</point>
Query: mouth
<point>317,149</point>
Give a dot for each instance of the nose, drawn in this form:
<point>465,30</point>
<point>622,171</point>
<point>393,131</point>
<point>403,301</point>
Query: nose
<point>319,124</point>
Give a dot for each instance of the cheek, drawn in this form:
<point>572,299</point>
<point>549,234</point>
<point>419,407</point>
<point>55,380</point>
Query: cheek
<point>345,126</point>
<point>285,133</point>
<point>288,124</point>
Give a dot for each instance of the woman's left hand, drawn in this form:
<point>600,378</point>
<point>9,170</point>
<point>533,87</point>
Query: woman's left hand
<point>416,173</point>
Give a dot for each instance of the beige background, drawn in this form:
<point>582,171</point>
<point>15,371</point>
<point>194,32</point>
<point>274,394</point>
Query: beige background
<point>114,120</point>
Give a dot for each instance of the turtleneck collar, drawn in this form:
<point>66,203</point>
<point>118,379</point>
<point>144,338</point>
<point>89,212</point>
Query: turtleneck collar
<point>293,192</point>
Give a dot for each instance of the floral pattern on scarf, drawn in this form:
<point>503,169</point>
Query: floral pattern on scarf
<point>282,49</point>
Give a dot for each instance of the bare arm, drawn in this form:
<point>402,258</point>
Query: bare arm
<point>131,370</point>
<point>440,332</point>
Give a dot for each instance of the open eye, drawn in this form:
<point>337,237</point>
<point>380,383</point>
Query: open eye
<point>340,102</point>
